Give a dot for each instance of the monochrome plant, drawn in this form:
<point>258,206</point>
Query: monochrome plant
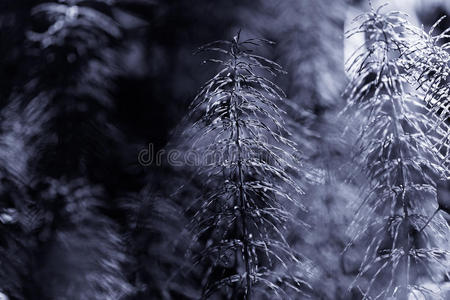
<point>157,260</point>
<point>396,151</point>
<point>251,194</point>
<point>78,250</point>
<point>428,65</point>
<point>78,36</point>
<point>113,187</point>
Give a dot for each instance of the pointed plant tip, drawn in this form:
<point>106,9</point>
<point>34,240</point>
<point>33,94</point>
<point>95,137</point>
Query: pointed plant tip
<point>377,11</point>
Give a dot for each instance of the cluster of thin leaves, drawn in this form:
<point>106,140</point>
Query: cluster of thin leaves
<point>407,245</point>
<point>429,66</point>
<point>239,225</point>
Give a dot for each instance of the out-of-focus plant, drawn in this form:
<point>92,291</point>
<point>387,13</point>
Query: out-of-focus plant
<point>80,251</point>
<point>55,138</point>
<point>157,242</point>
<point>79,37</point>
<point>309,42</point>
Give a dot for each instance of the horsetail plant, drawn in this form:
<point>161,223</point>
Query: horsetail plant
<point>251,195</point>
<point>407,251</point>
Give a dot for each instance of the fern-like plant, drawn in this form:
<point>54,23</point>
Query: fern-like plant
<point>397,153</point>
<point>251,194</point>
<point>428,66</point>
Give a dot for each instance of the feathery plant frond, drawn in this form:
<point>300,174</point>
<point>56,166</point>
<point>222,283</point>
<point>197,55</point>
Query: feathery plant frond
<point>430,58</point>
<point>397,153</point>
<point>429,66</point>
<point>239,137</point>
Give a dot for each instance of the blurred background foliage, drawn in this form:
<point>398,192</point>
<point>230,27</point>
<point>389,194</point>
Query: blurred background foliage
<point>86,84</point>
